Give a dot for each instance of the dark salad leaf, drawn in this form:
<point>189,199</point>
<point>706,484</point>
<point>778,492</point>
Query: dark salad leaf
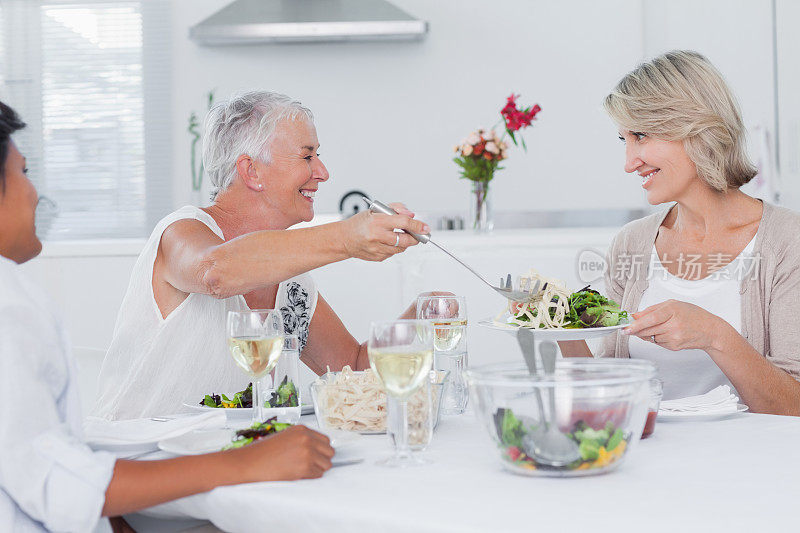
<point>257,431</point>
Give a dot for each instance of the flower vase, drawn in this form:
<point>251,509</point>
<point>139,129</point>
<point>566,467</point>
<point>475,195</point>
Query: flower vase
<point>480,208</point>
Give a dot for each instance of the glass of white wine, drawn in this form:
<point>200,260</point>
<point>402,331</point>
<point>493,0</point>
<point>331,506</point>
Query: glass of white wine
<point>255,339</point>
<point>401,354</point>
<point>448,314</point>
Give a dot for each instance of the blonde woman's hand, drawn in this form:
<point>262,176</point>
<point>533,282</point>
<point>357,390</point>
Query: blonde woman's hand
<point>372,236</point>
<point>677,325</point>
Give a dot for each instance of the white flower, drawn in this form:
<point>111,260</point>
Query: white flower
<point>473,139</point>
<point>492,148</point>
<point>490,136</point>
<point>466,149</point>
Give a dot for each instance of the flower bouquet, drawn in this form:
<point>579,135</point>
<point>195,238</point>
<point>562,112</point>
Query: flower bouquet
<point>479,157</point>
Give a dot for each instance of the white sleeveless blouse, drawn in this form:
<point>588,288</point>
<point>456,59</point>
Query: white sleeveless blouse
<point>154,365</point>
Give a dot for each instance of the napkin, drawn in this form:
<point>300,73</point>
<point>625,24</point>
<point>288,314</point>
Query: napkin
<point>718,400</point>
<point>101,433</point>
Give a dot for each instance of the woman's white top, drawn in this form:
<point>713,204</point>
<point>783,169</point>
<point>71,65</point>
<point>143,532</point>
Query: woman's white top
<point>155,364</point>
<point>692,372</point>
<point>49,479</point>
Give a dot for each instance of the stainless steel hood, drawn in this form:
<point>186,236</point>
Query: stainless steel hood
<point>276,21</point>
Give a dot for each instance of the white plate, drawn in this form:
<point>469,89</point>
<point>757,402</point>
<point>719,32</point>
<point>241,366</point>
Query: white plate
<point>242,413</point>
<point>560,334</point>
<point>668,416</point>
<point>205,441</point>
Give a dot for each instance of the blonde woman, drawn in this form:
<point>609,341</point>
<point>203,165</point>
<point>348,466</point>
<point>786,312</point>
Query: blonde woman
<point>714,279</point>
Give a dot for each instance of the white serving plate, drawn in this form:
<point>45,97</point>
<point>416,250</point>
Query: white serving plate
<point>555,334</point>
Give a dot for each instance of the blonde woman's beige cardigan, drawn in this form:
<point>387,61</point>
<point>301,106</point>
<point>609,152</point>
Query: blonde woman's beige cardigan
<point>770,295</point>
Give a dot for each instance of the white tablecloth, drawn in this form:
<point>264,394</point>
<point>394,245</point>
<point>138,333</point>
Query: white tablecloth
<point>740,474</point>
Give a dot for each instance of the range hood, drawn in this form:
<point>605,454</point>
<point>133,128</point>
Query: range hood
<point>276,21</point>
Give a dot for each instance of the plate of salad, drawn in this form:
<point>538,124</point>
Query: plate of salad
<point>199,441</point>
<point>206,441</point>
<point>557,314</point>
<point>239,405</point>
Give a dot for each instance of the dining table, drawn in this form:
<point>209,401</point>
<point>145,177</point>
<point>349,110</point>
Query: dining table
<point>740,473</point>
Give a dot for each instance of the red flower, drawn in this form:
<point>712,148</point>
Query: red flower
<point>516,119</point>
<point>478,149</point>
<point>513,122</point>
<point>511,105</point>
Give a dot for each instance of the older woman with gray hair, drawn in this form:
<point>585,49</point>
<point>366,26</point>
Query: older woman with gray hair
<point>169,345</point>
<point>714,278</point>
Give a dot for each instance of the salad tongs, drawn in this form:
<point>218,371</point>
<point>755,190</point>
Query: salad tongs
<point>505,290</point>
<point>545,443</point>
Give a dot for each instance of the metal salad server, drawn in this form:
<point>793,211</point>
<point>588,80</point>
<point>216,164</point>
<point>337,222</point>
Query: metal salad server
<point>507,290</point>
<point>545,443</point>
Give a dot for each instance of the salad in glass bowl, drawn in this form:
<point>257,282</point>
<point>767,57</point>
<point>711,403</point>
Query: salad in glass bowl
<point>598,406</point>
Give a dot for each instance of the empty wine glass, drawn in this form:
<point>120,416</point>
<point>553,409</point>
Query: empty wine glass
<point>401,355</point>
<point>255,339</point>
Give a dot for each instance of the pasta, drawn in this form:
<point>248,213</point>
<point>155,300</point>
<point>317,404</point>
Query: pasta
<point>353,401</point>
<point>356,401</point>
<point>547,309</point>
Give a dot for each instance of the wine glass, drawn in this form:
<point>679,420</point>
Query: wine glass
<point>401,355</point>
<point>255,339</point>
<point>449,317</point>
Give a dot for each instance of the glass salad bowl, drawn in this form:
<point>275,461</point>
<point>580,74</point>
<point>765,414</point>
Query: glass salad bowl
<point>355,401</point>
<point>599,407</point>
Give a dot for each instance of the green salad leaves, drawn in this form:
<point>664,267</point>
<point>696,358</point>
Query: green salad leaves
<point>597,447</point>
<point>284,396</point>
<point>242,399</point>
<point>590,309</point>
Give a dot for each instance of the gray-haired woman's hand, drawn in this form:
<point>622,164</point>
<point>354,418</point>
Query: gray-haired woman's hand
<point>372,236</point>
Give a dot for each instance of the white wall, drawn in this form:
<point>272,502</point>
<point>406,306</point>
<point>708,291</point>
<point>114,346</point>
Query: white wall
<point>788,40</point>
<point>389,114</point>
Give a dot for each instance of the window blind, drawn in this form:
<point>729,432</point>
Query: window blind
<point>92,82</point>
